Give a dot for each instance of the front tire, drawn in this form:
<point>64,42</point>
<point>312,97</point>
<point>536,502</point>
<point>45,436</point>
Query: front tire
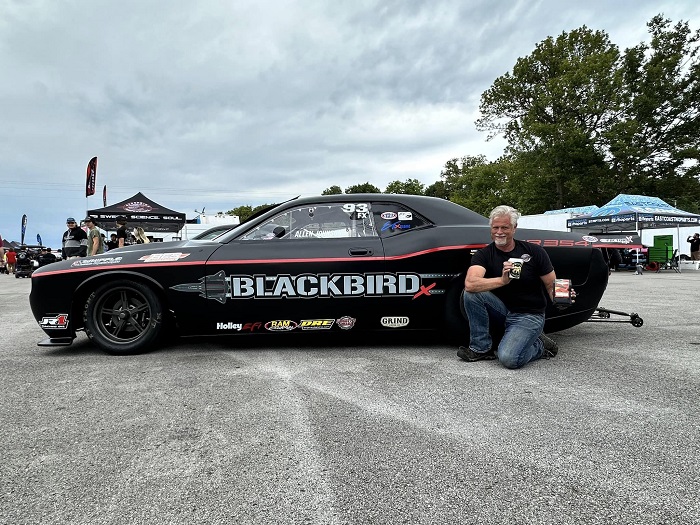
<point>123,317</point>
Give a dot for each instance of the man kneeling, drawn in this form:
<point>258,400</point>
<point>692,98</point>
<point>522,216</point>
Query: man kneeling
<point>506,292</point>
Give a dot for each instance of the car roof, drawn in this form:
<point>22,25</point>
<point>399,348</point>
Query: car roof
<point>439,211</point>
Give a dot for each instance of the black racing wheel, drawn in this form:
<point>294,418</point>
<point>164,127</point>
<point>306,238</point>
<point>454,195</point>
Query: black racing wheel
<point>123,317</point>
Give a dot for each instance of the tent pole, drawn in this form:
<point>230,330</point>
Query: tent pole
<point>678,233</point>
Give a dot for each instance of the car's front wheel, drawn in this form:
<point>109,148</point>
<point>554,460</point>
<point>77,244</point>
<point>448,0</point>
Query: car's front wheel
<point>123,317</point>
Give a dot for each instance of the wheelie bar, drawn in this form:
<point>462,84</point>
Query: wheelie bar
<point>603,315</point>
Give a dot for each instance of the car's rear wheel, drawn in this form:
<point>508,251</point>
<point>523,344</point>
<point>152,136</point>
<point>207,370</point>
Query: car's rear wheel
<point>123,317</point>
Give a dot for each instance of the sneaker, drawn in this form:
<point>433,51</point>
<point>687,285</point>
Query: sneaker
<point>551,348</point>
<point>467,354</point>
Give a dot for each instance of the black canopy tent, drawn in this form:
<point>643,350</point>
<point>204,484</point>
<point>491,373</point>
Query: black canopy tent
<point>141,211</point>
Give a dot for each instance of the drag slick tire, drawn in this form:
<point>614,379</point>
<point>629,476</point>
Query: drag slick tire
<point>123,317</point>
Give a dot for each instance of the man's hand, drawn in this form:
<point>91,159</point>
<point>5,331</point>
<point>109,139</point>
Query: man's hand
<point>561,306</point>
<point>505,276</point>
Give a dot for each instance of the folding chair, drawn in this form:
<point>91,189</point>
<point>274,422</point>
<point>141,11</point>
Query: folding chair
<point>670,264</point>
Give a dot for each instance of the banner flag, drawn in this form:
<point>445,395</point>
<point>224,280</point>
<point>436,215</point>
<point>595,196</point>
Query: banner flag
<point>24,226</point>
<point>104,196</point>
<point>38,239</point>
<point>91,176</point>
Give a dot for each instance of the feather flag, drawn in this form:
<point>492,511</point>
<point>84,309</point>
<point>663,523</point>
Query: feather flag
<point>38,239</point>
<point>104,196</point>
<point>91,176</point>
<point>24,226</point>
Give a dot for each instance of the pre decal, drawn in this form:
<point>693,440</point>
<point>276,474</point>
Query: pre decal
<point>316,324</point>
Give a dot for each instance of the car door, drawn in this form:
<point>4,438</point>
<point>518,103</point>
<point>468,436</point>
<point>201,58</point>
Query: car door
<point>311,267</point>
<point>415,246</point>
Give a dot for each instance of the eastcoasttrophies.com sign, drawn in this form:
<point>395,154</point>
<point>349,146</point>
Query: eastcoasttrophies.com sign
<point>644,218</point>
<point>674,219</point>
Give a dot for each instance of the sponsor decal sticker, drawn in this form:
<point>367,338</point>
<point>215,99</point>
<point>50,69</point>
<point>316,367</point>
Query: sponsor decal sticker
<point>395,226</point>
<point>281,326</point>
<point>389,215</point>
<point>621,240</point>
<point>346,322</point>
<point>59,321</point>
<point>394,322</point>
<point>405,216</point>
<point>163,257</point>
<point>251,327</point>
<point>589,238</point>
<point>229,326</point>
<point>96,262</point>
<point>316,324</point>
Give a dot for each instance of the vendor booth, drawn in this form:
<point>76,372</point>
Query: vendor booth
<point>141,211</point>
<point>634,213</point>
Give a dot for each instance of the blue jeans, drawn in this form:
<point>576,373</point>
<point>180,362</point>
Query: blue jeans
<point>519,344</point>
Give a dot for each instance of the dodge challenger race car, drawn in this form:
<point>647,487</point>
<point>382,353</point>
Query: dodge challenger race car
<point>322,264</point>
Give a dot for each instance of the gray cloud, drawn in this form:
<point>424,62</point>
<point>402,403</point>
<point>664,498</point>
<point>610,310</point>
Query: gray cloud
<point>222,104</point>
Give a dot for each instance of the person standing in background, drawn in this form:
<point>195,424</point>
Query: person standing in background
<point>75,243</point>
<point>694,247</point>
<point>11,260</point>
<point>95,246</point>
<point>140,235</point>
<point>121,231</point>
<point>112,242</point>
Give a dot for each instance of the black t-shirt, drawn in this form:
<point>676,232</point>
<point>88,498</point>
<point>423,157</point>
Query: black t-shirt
<point>694,244</point>
<point>121,234</point>
<point>524,295</point>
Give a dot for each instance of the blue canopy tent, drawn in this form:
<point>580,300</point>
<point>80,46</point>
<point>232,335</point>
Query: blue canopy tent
<point>633,213</point>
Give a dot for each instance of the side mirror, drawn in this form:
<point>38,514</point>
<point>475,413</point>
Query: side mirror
<point>278,232</point>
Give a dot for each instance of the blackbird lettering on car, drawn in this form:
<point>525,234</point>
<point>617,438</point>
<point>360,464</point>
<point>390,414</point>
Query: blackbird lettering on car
<point>221,287</point>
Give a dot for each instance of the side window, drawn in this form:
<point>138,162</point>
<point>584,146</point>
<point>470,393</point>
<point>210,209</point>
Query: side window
<point>392,219</point>
<point>323,221</point>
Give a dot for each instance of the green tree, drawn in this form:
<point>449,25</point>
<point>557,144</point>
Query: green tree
<point>246,211</point>
<point>332,190</point>
<point>408,187</point>
<point>584,122</point>
<point>438,189</point>
<point>556,106</point>
<point>243,212</point>
<point>658,135</point>
<point>363,188</point>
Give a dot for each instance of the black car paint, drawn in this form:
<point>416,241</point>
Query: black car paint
<point>185,273</point>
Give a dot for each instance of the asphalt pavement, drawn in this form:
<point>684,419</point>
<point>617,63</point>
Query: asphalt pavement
<point>292,430</point>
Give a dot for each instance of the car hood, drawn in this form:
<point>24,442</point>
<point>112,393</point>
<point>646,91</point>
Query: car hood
<point>151,252</point>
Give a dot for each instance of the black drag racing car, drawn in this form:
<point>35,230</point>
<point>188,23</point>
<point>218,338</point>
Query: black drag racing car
<point>324,264</point>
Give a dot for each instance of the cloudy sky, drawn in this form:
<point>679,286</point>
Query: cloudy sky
<point>232,102</point>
